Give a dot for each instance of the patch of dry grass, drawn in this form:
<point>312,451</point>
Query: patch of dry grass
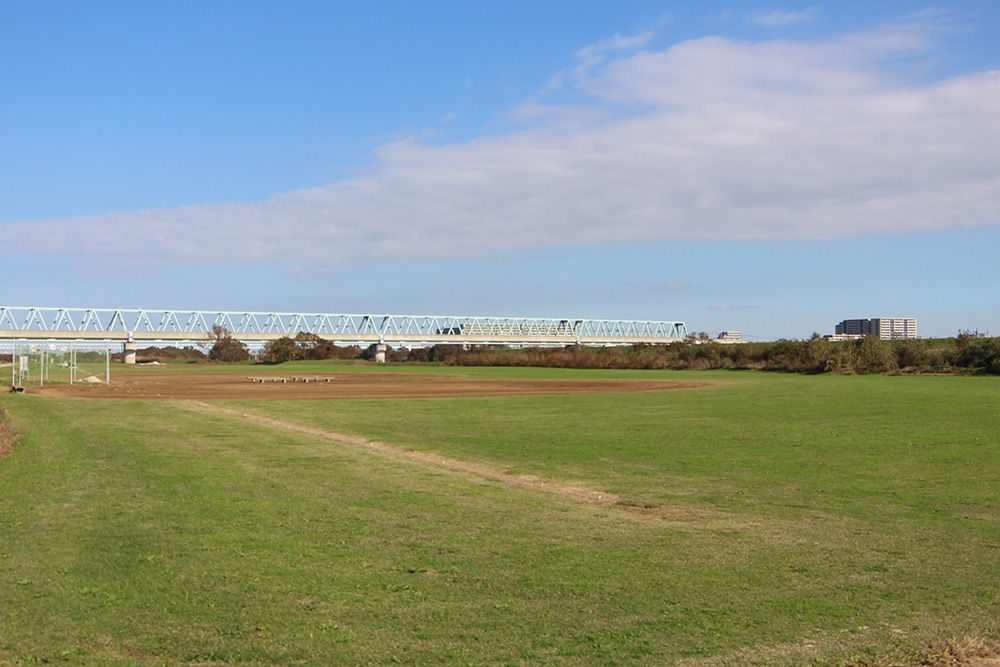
<point>820,648</point>
<point>968,650</point>
<point>7,432</point>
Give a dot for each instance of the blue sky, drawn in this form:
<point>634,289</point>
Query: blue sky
<point>770,168</point>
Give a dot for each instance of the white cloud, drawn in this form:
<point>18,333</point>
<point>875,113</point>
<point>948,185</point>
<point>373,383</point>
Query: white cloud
<point>779,17</point>
<point>616,43</point>
<point>709,139</point>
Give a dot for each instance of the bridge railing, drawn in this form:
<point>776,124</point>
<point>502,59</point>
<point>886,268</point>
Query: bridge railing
<point>33,321</point>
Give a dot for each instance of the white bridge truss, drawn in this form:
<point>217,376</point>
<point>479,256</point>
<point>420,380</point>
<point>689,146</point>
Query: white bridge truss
<point>175,326</point>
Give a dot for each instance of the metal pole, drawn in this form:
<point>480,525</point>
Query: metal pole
<point>107,365</point>
<point>41,368</point>
<point>13,361</point>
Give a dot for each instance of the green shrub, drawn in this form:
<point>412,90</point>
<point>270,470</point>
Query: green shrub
<point>227,348</point>
<point>980,355</point>
<point>912,354</point>
<point>280,350</point>
<point>863,356</point>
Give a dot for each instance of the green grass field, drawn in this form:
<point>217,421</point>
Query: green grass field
<point>769,519</point>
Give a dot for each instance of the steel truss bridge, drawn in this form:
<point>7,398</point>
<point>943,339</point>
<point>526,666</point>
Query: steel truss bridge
<point>173,327</point>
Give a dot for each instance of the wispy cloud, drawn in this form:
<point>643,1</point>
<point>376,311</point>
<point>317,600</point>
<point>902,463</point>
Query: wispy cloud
<point>671,286</point>
<point>709,139</point>
<point>616,43</point>
<point>589,58</point>
<point>311,273</point>
<point>778,17</point>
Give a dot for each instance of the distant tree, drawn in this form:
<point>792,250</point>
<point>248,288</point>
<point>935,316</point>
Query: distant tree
<point>913,354</point>
<point>225,347</point>
<point>874,355</point>
<point>980,355</point>
<point>306,346</point>
<point>312,346</point>
<point>280,350</point>
<point>697,337</point>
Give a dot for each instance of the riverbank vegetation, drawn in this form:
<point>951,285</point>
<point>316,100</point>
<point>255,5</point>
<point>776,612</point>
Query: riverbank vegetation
<point>961,355</point>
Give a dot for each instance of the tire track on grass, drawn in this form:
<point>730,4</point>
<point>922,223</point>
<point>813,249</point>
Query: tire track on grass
<point>578,493</point>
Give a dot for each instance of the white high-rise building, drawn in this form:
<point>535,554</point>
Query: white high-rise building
<point>897,328</point>
<point>886,328</point>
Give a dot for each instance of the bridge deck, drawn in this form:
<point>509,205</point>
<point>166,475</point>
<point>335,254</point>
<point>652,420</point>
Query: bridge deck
<point>92,324</point>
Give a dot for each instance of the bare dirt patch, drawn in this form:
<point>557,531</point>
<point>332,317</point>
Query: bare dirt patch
<point>275,386</point>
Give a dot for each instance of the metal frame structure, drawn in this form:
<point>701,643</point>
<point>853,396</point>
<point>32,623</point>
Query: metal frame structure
<point>176,326</point>
<point>25,353</point>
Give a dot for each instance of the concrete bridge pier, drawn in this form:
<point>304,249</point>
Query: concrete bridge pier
<point>129,349</point>
<point>380,353</point>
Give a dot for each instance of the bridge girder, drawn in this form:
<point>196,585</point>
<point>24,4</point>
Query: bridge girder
<point>118,324</point>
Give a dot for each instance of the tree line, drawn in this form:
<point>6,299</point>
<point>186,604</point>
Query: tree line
<point>963,354</point>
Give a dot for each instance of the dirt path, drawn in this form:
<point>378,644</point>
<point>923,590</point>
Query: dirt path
<point>578,493</point>
<point>677,516</point>
<point>192,389</point>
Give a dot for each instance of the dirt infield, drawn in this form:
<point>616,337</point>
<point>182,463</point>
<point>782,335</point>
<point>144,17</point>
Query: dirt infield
<point>276,386</point>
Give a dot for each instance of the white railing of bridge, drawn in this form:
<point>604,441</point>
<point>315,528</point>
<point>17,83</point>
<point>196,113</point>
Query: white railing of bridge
<point>29,319</point>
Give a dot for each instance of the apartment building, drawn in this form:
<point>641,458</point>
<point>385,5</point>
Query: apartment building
<point>886,328</point>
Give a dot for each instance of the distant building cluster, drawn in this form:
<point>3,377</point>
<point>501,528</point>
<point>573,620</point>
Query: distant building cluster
<point>886,328</point>
<point>969,333</point>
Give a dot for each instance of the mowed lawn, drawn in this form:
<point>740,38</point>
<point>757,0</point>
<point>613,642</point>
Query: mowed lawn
<point>765,518</point>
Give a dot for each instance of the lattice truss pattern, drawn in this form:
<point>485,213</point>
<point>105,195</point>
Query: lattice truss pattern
<point>29,321</point>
